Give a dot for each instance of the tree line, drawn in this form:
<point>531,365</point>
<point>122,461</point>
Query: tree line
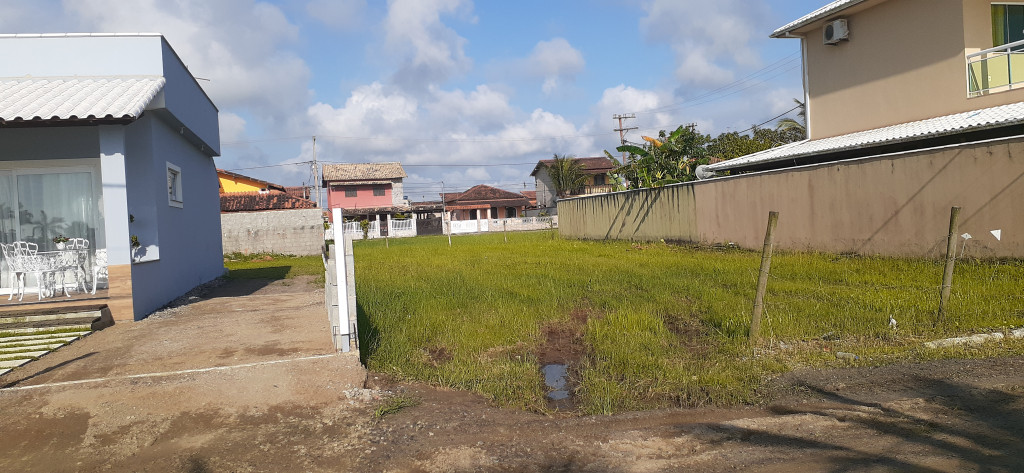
<point>673,157</point>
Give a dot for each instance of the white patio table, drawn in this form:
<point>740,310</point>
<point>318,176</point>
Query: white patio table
<point>46,266</point>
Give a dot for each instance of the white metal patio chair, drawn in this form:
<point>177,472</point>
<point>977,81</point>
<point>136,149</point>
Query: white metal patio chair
<point>25,248</point>
<point>99,269</point>
<point>77,244</point>
<point>15,274</point>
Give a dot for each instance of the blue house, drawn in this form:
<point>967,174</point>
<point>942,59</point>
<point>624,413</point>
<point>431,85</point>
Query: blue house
<point>109,138</point>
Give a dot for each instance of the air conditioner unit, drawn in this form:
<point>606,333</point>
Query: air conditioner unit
<point>836,31</point>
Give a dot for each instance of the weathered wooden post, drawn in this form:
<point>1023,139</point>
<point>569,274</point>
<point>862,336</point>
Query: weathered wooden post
<point>947,276</point>
<point>762,278</point>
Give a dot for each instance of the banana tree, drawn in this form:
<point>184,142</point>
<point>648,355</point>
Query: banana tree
<point>669,159</point>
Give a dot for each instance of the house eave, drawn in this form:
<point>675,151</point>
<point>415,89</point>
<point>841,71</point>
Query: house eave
<point>892,147</point>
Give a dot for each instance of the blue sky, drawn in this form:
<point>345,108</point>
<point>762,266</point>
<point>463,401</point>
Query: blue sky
<point>460,91</point>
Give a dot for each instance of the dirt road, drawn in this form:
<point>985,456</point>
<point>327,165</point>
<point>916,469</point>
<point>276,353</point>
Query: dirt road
<point>245,379</point>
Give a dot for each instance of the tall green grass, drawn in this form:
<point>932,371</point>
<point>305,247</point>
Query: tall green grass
<point>273,266</point>
<point>667,325</point>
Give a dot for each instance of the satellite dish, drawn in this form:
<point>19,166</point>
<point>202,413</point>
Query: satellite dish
<point>703,172</point>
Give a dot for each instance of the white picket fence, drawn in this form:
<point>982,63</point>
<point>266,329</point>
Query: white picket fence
<point>407,227</point>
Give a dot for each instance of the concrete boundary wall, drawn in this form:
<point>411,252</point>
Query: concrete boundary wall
<point>889,205</point>
<point>290,232</point>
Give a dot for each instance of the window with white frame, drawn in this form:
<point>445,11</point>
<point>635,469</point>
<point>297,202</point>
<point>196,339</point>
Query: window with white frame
<point>174,197</point>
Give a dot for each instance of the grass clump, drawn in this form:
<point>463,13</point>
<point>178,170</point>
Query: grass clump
<point>660,325</point>
<point>273,266</point>
<point>395,404</point>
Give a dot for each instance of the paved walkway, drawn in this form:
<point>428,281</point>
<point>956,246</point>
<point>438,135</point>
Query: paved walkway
<point>146,393</point>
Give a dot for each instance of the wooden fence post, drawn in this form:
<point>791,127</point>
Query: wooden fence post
<point>762,278</point>
<point>947,276</point>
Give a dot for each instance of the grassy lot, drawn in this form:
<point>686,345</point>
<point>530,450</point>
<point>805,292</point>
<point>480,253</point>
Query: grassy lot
<point>269,266</point>
<point>655,325</point>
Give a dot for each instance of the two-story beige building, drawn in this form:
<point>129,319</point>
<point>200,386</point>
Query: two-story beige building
<point>884,76</point>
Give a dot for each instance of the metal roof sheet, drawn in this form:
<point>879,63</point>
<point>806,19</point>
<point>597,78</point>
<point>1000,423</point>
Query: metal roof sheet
<point>974,120</point>
<point>832,8</point>
<point>26,99</point>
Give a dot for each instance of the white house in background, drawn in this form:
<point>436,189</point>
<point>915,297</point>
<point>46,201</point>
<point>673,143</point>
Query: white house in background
<point>109,137</point>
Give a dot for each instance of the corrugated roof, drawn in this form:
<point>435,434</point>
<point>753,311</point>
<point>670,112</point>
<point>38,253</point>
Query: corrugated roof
<point>38,99</point>
<point>362,171</point>
<point>830,9</point>
<point>975,120</point>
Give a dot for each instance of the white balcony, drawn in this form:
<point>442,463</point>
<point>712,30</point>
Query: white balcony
<point>995,70</point>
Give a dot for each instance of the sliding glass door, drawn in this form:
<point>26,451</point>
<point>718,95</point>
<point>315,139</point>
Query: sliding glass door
<point>56,204</point>
<point>8,208</point>
<point>37,205</point>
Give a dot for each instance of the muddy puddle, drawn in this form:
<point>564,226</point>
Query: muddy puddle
<point>556,378</point>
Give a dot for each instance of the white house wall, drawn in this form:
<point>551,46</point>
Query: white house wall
<point>189,237</point>
<point>546,196</point>
<point>121,55</point>
<point>55,147</point>
<point>184,98</point>
<point>84,55</point>
<point>17,144</point>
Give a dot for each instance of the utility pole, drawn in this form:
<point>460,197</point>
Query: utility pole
<point>316,176</point>
<point>622,130</point>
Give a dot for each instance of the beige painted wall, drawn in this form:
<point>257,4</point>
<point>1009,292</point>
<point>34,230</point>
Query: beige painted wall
<point>905,61</point>
<point>650,214</point>
<point>896,205</point>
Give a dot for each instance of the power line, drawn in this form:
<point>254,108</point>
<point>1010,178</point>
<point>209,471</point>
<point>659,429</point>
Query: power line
<point>270,166</point>
<point>770,119</point>
<point>784,61</point>
<point>450,164</point>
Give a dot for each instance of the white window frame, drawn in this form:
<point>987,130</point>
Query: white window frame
<point>174,195</point>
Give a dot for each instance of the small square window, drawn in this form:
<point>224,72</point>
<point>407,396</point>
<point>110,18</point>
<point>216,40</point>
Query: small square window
<point>174,195</point>
<point>350,192</point>
<point>378,191</point>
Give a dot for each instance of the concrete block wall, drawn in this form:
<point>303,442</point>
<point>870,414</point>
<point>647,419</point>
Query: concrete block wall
<point>894,205</point>
<point>291,232</point>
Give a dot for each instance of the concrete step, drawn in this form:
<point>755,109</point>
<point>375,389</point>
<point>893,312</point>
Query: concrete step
<point>22,342</point>
<point>27,348</point>
<point>82,327</point>
<point>62,336</point>
<point>14,363</point>
<point>22,355</point>
<point>17,319</point>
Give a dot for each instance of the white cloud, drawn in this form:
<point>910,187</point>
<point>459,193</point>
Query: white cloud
<point>554,61</point>
<point>444,127</point>
<point>232,127</point>
<point>482,109</point>
<point>652,107</point>
<point>709,38</point>
<point>431,52</point>
<point>242,46</point>
<point>339,14</point>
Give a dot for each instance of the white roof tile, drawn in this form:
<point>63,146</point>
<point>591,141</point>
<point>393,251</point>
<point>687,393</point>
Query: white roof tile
<point>831,8</point>
<point>975,120</point>
<point>69,98</point>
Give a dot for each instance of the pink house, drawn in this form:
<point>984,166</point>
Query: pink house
<point>365,190</point>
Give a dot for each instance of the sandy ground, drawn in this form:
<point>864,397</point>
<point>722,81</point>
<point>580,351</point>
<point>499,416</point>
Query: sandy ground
<point>143,397</point>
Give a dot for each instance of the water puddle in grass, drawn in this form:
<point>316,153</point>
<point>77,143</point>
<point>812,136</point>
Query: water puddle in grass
<point>556,377</point>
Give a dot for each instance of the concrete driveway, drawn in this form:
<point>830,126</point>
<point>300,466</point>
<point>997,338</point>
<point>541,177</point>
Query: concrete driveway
<point>237,370</point>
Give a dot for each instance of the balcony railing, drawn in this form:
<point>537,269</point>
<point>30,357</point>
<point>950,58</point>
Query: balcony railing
<point>996,69</point>
<point>590,190</point>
